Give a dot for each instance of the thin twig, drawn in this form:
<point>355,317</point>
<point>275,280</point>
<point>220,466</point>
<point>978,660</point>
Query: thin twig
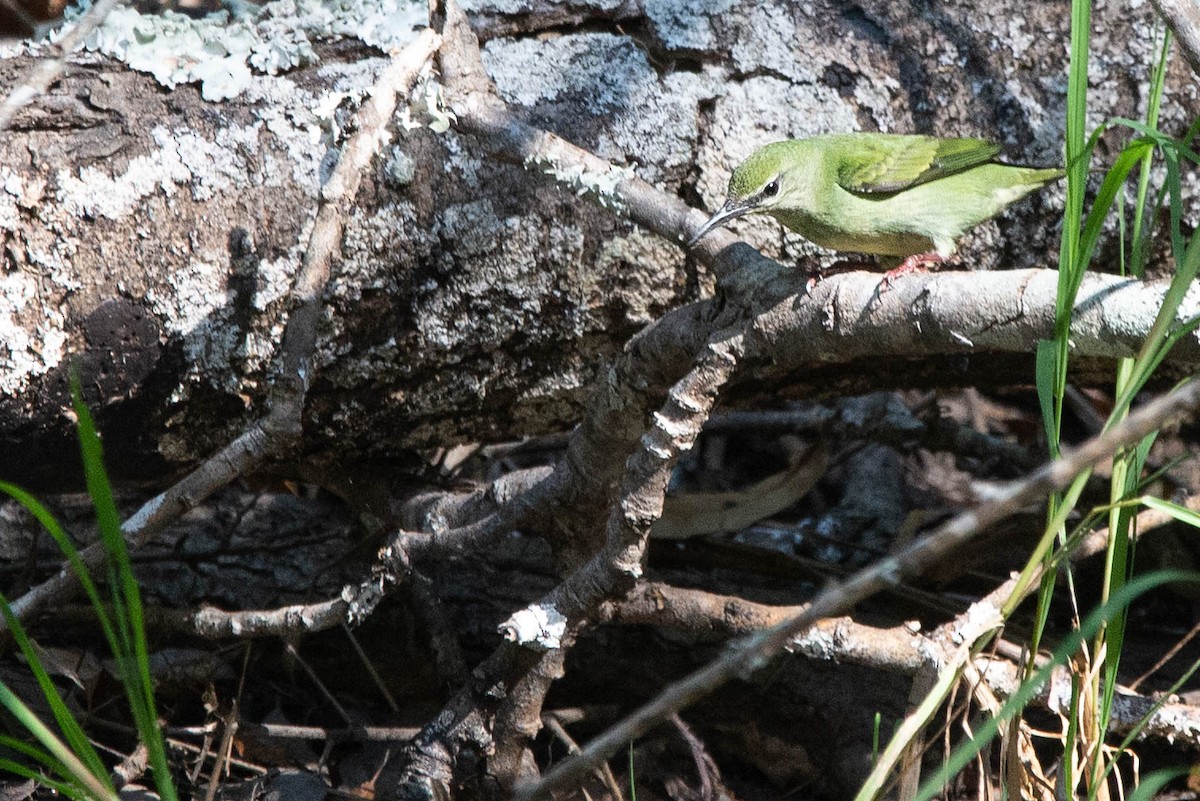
<point>320,685</point>
<point>1167,657</point>
<point>380,684</point>
<point>1184,18</point>
<point>38,80</point>
<point>605,773</point>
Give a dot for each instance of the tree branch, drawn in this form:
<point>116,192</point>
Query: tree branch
<point>1183,17</point>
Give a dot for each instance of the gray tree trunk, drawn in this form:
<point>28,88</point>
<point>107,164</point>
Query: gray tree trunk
<point>150,236</point>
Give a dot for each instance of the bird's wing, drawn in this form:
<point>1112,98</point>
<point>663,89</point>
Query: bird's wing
<point>880,163</point>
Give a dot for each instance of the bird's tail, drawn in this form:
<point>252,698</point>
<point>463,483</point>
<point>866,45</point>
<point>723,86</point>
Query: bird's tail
<point>1042,177</point>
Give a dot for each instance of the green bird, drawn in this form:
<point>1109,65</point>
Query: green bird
<point>903,198</point>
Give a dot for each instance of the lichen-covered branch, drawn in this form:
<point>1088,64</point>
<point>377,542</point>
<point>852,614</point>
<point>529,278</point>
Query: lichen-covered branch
<point>545,630</point>
<point>156,233</point>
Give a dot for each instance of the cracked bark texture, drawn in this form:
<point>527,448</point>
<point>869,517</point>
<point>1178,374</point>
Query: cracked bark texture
<point>155,235</point>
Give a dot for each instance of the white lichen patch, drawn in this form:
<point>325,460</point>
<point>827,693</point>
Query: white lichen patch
<point>275,276</point>
<point>607,72</point>
<point>27,351</point>
<point>556,385</point>
<point>223,52</point>
<point>427,107</point>
<point>17,48</point>
<point>660,132</point>
<point>399,169</point>
<point>10,215</point>
<point>96,193</point>
<point>194,305</point>
<point>289,115</point>
<point>462,160</point>
<point>599,184</point>
<point>351,77</point>
<point>1019,40</point>
<point>369,258</point>
<point>500,288</point>
<point>189,296</point>
<point>538,626</point>
<point>647,119</point>
<point>522,6</point>
<point>259,347</point>
<point>219,165</point>
<point>472,226</point>
<point>877,96</point>
<point>25,191</point>
<point>182,158</point>
<point>773,42</point>
<point>686,24</point>
<point>214,50</point>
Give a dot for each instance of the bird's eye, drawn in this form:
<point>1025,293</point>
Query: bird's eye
<point>771,189</point>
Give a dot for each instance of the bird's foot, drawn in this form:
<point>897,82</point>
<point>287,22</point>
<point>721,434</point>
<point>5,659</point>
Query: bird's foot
<point>837,268</point>
<point>917,263</point>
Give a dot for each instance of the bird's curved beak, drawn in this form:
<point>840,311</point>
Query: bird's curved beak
<point>730,211</point>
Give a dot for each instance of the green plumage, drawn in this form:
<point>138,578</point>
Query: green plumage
<point>890,195</point>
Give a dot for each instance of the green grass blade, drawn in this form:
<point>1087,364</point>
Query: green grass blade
<point>132,655</point>
<point>1046,372</point>
<point>1076,125</point>
<point>1093,227</point>
<point>1140,237</point>
<point>1161,699</point>
<point>71,758</point>
<point>1150,786</point>
<point>1182,146</point>
<point>1153,356</point>
<point>39,755</point>
<point>67,724</point>
<point>1181,513</point>
<point>1175,197</point>
<point>68,789</point>
<point>632,783</point>
<point>1118,565</point>
<point>1042,550</point>
<point>43,516</point>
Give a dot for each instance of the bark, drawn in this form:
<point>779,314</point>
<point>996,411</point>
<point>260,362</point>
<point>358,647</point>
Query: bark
<point>150,236</point>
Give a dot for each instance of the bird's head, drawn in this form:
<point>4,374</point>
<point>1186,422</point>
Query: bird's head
<point>759,183</point>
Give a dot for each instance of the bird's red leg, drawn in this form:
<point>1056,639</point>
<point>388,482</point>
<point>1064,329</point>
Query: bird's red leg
<point>917,263</point>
